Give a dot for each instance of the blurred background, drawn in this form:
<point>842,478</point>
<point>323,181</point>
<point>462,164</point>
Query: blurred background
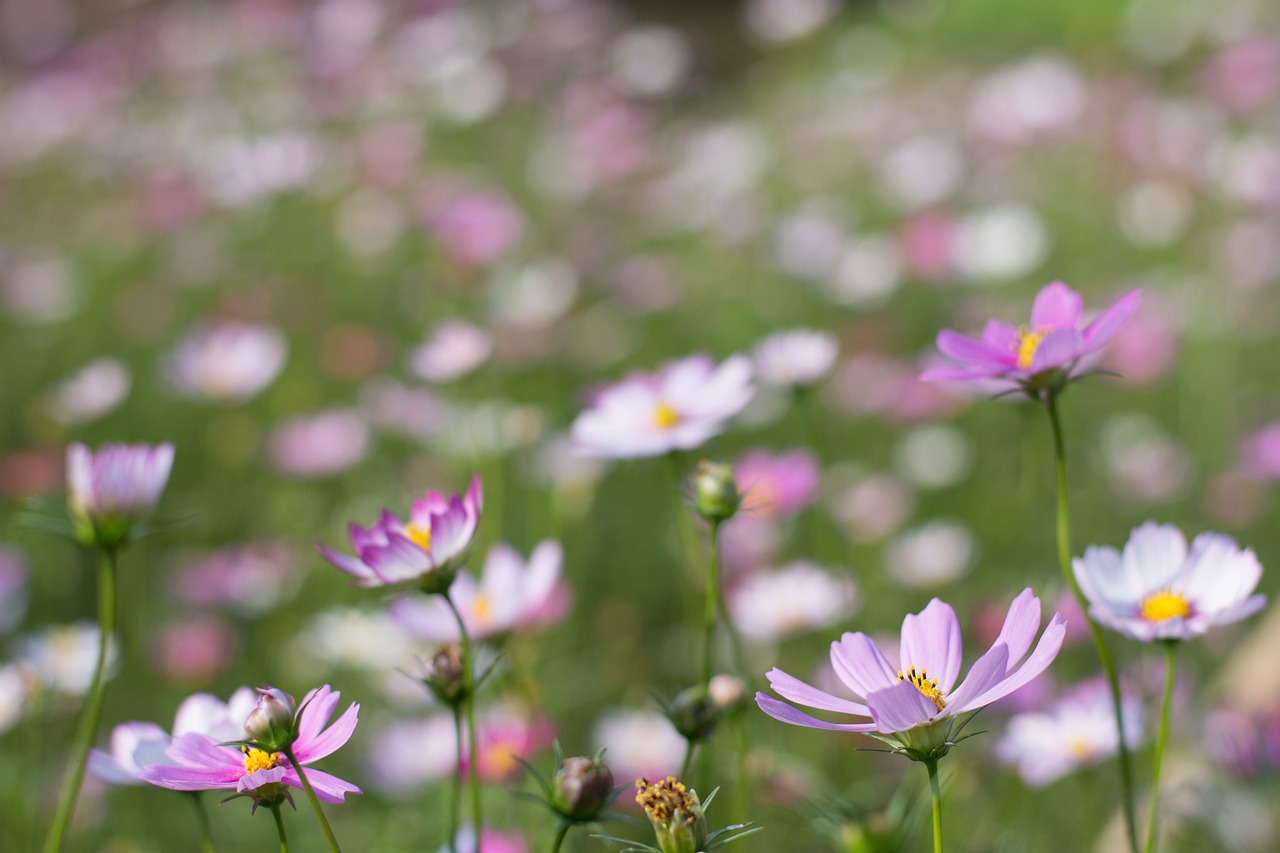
<point>341,252</point>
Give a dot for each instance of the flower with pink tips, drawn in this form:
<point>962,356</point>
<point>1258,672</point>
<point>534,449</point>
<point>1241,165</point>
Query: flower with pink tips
<point>201,762</point>
<point>510,594</point>
<point>1040,355</point>
<point>111,488</point>
<point>916,704</point>
<point>425,551</point>
<point>777,484</point>
<point>1157,589</point>
<point>679,407</point>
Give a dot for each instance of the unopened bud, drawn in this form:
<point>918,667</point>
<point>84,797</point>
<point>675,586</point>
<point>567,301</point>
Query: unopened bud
<point>693,713</point>
<point>715,493</point>
<point>271,723</point>
<point>582,788</point>
<point>444,674</point>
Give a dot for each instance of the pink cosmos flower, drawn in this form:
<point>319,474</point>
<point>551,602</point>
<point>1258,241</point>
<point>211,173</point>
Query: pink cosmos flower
<point>1038,355</point>
<point>779,484</point>
<point>320,444</point>
<point>227,363</point>
<point>509,595</point>
<point>792,599</point>
<point>426,550</point>
<point>917,703</point>
<point>454,349</point>
<point>1157,590</point>
<point>111,488</point>
<point>136,745</point>
<point>678,408</point>
<point>201,762</point>
<point>797,357</point>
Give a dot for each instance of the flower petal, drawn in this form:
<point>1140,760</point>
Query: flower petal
<point>1098,333</point>
<point>328,788</point>
<point>1037,662</point>
<point>860,665</point>
<point>787,714</point>
<point>1020,625</point>
<point>1056,307</point>
<point>792,688</point>
<point>900,707</point>
<point>318,746</point>
<point>931,641</point>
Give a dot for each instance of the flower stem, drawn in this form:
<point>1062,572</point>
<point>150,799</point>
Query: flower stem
<point>87,731</point>
<point>315,801</point>
<point>284,839</point>
<point>206,834</point>
<point>1153,809</point>
<point>455,807</point>
<point>932,767</point>
<point>686,767</point>
<point>468,689</point>
<point>713,606</point>
<point>1104,654</point>
<point>561,832</point>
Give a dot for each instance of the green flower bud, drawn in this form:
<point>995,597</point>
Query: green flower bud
<point>581,788</point>
<point>444,675</point>
<point>715,494</point>
<point>271,724</point>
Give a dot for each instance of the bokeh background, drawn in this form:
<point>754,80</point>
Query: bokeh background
<point>442,225</point>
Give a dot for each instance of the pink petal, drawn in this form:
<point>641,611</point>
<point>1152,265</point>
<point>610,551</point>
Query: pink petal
<point>318,746</point>
<point>860,665</point>
<point>1098,333</point>
<point>900,707</point>
<point>787,714</point>
<point>328,788</point>
<point>1059,348</point>
<point>792,688</point>
<point>1020,625</point>
<point>967,350</point>
<point>931,640</point>
<point>1046,650</point>
<point>1056,307</point>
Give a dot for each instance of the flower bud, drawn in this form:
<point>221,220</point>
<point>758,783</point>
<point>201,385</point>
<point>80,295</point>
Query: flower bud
<point>444,675</point>
<point>112,488</point>
<point>715,494</point>
<point>581,788</point>
<point>271,723</point>
<point>675,813</point>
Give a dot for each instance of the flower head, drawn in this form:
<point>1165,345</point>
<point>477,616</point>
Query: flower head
<point>678,408</point>
<point>1158,590</point>
<point>715,493</point>
<point>795,358</point>
<point>425,551</point>
<point>113,487</point>
<point>916,704</point>
<point>582,787</point>
<point>200,762</point>
<point>795,598</point>
<point>510,594</point>
<point>676,815</point>
<point>1039,356</point>
<point>228,363</point>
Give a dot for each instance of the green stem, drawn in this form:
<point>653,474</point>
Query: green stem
<point>206,833</point>
<point>1153,809</point>
<point>1104,654</point>
<point>468,690</point>
<point>315,801</point>
<point>712,608</point>
<point>686,767</point>
<point>932,767</point>
<point>87,731</point>
<point>560,834</point>
<point>284,839</point>
<point>455,807</point>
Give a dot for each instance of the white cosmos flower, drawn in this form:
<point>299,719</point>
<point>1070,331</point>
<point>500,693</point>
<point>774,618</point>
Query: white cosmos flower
<point>797,597</point>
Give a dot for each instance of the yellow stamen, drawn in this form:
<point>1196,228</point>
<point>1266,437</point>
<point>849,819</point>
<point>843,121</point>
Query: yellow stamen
<point>926,685</point>
<point>665,417</point>
<point>419,535</point>
<point>1164,605</point>
<point>1080,750</point>
<point>1028,343</point>
<point>482,607</point>
<point>258,759</point>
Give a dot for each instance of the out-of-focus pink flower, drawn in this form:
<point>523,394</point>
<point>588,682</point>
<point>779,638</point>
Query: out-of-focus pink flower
<point>776,485</point>
<point>1260,453</point>
<point>1144,350</point>
<point>792,599</point>
<point>870,384</point>
<point>511,594</point>
<point>1077,731</point>
<point>252,578</point>
<point>91,392</point>
<point>63,657</point>
<point>874,506</point>
<point>1050,346</point>
<point>476,227</point>
<point>798,357</point>
<point>1246,75</point>
<point>113,487</point>
<point>227,362</point>
<point>929,244</point>
<point>639,743</point>
<point>1246,744</point>
<point>491,841</point>
<point>135,745</point>
<point>201,762</point>
<point>320,445</point>
<point>454,350</point>
<point>678,408</point>
<point>427,550</point>
<point>504,734</point>
<point>195,649</point>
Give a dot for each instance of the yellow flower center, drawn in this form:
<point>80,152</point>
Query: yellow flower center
<point>482,607</point>
<point>1028,343</point>
<point>665,417</point>
<point>1164,605</point>
<point>419,535</point>
<point>258,759</point>
<point>926,685</point>
<point>1080,749</point>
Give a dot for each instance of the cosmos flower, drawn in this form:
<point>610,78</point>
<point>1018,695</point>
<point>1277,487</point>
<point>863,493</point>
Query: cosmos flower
<point>777,484</point>
<point>200,762</point>
<point>319,445</point>
<point>226,363</point>
<point>62,657</point>
<point>917,703</point>
<point>1157,590</point>
<point>510,594</point>
<point>135,745</point>
<point>795,358</point>
<point>1077,731</point>
<point>425,551</point>
<point>1039,355</point>
<point>678,408</point>
<point>92,392</point>
<point>111,488</point>
<point>795,598</point>
<point>455,349</point>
